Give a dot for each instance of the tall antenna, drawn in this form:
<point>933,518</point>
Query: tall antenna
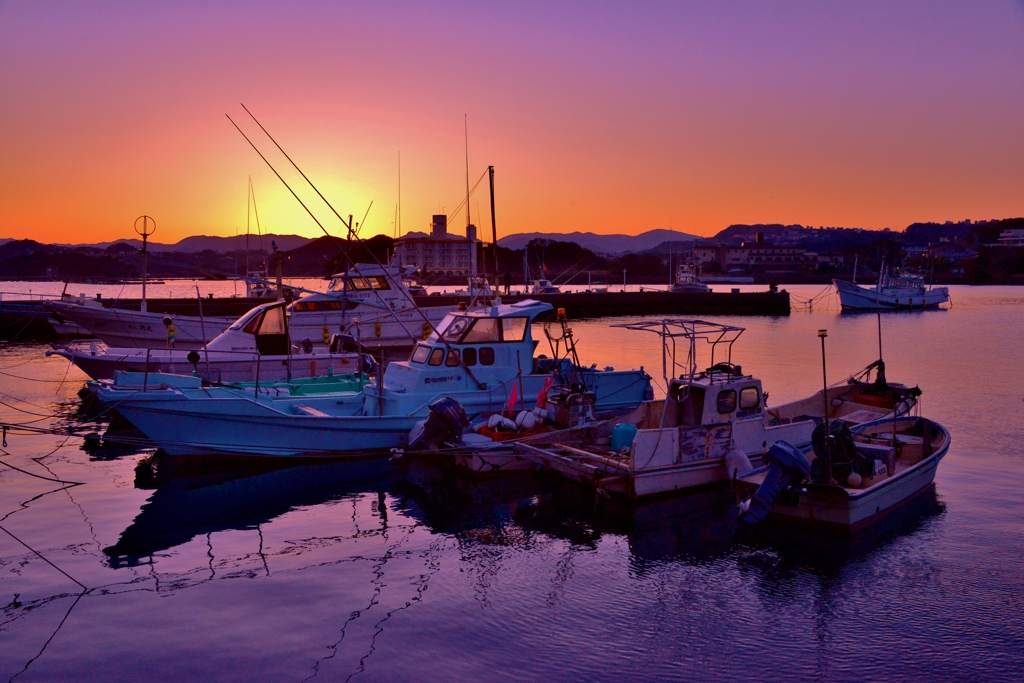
<point>465,122</point>
<point>248,210</point>
<point>398,211</point>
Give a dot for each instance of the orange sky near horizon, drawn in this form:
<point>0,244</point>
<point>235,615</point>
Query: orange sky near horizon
<point>597,117</point>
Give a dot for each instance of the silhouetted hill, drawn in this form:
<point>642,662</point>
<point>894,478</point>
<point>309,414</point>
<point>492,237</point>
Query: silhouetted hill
<point>324,256</point>
<point>198,243</point>
<point>601,244</point>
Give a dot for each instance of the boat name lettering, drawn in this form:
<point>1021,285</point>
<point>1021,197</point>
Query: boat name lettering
<point>435,380</point>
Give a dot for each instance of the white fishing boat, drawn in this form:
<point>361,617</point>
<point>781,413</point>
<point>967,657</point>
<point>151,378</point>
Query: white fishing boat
<point>258,346</point>
<point>544,287</point>
<point>482,359</point>
<point>126,328</point>
<point>370,301</point>
<point>711,425</point>
<point>892,292</point>
<point>900,459</point>
<point>686,281</point>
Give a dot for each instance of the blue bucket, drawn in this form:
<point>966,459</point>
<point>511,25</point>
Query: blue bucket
<point>622,436</point>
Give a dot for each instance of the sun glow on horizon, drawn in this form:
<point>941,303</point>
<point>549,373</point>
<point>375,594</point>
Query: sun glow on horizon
<point>605,120</point>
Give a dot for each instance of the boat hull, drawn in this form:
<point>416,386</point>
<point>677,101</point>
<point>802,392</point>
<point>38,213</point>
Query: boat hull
<point>223,366</point>
<point>835,508</point>
<point>122,328</point>
<point>235,422</point>
<point>196,428</point>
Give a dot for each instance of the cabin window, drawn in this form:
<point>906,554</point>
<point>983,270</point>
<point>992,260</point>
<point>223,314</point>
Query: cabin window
<point>469,356</point>
<point>378,282</point>
<point>421,353</point>
<point>436,356</point>
<point>306,306</point>
<point>453,359</point>
<point>484,330</point>
<point>727,401</point>
<point>456,328</point>
<point>250,327</point>
<point>486,356</point>
<point>273,321</point>
<point>513,329</point>
<point>359,284</point>
<point>749,400</point>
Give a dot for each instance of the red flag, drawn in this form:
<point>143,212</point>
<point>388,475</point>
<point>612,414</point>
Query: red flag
<point>513,398</point>
<point>542,395</point>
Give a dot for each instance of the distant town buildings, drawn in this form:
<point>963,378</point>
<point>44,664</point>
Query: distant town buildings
<point>1011,238</point>
<point>440,252</point>
<point>757,255</point>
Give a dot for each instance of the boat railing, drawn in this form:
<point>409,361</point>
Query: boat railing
<point>672,329</point>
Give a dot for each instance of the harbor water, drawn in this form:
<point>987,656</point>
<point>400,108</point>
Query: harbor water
<point>276,571</point>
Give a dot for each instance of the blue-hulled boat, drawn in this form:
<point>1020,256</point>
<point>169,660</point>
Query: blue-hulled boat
<point>480,358</point>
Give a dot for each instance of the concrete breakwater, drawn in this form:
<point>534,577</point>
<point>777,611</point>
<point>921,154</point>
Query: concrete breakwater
<point>28,319</point>
<point>653,302</point>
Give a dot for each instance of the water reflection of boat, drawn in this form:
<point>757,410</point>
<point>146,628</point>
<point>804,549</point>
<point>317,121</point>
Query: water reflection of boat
<point>510,509</point>
<point>825,553</point>
<point>242,494</point>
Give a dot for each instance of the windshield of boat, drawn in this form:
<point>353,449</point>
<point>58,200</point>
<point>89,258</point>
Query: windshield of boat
<point>360,283</point>
<point>244,320</point>
<point>456,328</point>
<point>472,330</point>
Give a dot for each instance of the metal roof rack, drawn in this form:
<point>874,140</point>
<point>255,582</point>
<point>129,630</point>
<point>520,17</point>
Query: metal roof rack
<point>670,329</point>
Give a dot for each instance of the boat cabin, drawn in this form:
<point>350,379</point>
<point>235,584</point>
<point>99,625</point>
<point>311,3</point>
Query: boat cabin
<point>263,330</point>
<point>487,346</point>
<point>364,284</point>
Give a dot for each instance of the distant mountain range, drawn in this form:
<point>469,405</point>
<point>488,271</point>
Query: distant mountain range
<point>602,244</point>
<point>197,243</point>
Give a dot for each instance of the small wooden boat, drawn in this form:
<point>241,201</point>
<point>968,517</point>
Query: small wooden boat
<point>905,453</point>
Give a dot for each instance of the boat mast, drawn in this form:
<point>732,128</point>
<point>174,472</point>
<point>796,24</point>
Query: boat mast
<point>494,227</point>
<point>248,199</point>
<point>469,221</point>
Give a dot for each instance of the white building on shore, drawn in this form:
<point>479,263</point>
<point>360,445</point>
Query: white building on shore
<point>440,252</point>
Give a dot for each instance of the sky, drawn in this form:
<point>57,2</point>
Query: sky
<point>603,117</point>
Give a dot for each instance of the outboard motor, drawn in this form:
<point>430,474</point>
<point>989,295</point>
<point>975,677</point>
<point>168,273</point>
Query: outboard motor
<point>370,364</point>
<point>343,343</point>
<point>839,457</point>
<point>444,424</point>
<point>787,467</point>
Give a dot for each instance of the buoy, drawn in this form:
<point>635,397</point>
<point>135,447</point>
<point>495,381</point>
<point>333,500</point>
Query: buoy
<point>854,480</point>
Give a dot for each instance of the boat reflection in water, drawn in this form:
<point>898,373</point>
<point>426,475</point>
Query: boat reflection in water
<point>192,499</point>
<point>232,493</point>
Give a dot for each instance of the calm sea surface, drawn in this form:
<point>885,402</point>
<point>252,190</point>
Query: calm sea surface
<point>337,571</point>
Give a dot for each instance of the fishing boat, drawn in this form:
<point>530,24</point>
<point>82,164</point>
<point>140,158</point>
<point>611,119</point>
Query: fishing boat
<point>544,287</point>
<point>901,291</point>
<point>482,359</point>
<point>369,301</point>
<point>890,462</point>
<point>258,346</point>
<point>686,281</point>
<point>125,328</point>
<point>712,425</point>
